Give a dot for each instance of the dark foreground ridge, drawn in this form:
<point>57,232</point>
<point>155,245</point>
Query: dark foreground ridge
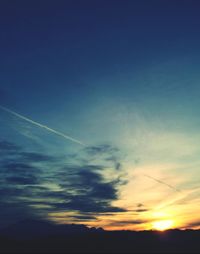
<point>34,236</point>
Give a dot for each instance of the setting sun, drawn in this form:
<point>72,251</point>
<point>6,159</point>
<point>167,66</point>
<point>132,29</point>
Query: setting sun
<point>163,225</point>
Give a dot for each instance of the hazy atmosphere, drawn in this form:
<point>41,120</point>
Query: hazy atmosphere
<point>100,113</point>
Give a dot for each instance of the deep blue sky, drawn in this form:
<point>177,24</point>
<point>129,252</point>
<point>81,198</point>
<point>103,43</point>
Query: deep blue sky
<point>110,73</point>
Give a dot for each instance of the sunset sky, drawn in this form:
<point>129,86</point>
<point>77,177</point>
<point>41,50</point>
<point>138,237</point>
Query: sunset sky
<point>101,113</point>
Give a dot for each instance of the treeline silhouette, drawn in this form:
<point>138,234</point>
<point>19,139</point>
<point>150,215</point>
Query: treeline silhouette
<point>43,237</point>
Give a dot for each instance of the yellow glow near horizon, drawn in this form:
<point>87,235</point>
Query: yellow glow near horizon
<point>162,225</point>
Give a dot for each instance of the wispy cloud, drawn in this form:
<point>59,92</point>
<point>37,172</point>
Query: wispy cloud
<point>162,182</point>
<point>42,126</point>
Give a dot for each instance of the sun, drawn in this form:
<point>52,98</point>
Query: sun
<point>162,225</point>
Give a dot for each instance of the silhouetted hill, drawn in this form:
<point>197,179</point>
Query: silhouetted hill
<point>39,228</point>
<point>34,236</point>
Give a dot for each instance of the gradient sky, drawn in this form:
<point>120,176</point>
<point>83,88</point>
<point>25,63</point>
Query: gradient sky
<point>122,77</point>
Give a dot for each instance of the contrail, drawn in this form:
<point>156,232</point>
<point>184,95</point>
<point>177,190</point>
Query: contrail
<point>42,126</point>
<point>159,181</point>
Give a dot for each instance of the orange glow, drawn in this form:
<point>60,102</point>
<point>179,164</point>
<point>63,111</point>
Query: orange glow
<point>162,225</point>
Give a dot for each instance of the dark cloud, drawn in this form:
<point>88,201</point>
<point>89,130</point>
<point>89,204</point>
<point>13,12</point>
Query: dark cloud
<point>96,188</point>
<point>84,217</point>
<point>72,170</point>
<point>28,179</point>
<point>127,222</point>
<point>118,166</point>
<point>36,157</point>
<point>83,204</point>
<point>17,168</point>
<point>115,160</point>
<point>22,180</point>
<point>101,149</point>
<point>85,191</point>
<point>141,210</point>
<point>49,194</point>
<point>7,192</point>
<point>14,174</point>
<point>193,224</point>
<point>8,147</point>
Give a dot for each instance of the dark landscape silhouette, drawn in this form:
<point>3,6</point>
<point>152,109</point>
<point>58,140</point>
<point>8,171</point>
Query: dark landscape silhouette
<point>35,236</point>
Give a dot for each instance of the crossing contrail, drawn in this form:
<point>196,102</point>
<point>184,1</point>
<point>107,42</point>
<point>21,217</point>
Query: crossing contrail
<point>42,126</point>
<point>161,182</point>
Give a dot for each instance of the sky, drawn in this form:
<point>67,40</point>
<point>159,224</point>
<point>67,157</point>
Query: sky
<point>99,113</point>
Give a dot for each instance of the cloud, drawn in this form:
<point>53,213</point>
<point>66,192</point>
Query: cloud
<point>86,191</point>
<point>162,182</point>
<point>7,192</point>
<point>22,180</point>
<point>41,125</point>
<point>195,224</point>
<point>13,174</point>
<point>8,146</point>
<point>101,149</point>
<point>108,154</point>
<point>83,204</point>
<point>126,222</point>
<point>36,157</point>
<point>83,217</point>
<point>16,154</point>
<point>96,187</point>
<point>45,184</point>
<point>17,168</point>
<point>141,210</point>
